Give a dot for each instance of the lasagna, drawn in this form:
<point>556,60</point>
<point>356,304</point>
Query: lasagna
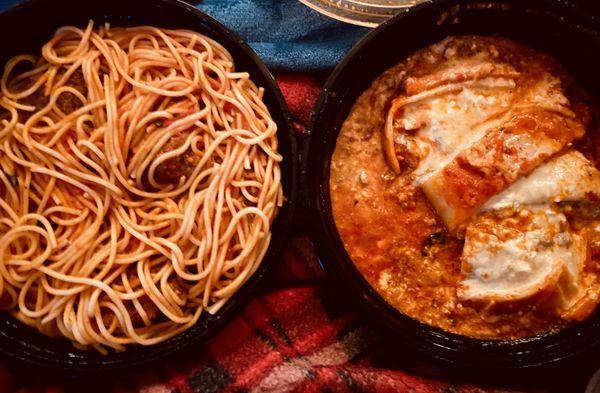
<point>465,187</point>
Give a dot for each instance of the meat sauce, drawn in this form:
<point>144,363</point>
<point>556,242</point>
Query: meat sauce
<point>66,102</point>
<point>171,171</point>
<point>390,230</point>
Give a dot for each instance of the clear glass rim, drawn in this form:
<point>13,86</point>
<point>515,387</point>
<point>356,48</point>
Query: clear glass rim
<point>366,13</point>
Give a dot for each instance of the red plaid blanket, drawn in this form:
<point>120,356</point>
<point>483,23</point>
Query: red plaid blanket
<point>287,340</point>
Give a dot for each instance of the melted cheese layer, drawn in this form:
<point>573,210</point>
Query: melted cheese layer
<point>516,254</point>
<point>451,123</point>
<point>568,177</point>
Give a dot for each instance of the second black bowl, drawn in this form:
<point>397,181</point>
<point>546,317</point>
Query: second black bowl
<point>553,27</point>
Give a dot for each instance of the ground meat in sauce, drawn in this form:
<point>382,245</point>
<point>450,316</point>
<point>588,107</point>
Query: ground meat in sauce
<point>391,232</point>
<point>171,171</point>
<point>66,102</point>
<point>595,249</point>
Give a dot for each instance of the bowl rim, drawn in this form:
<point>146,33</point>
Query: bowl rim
<point>433,341</point>
<point>280,228</point>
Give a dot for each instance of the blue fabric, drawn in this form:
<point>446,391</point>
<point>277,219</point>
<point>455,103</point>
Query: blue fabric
<point>285,33</point>
<point>4,4</point>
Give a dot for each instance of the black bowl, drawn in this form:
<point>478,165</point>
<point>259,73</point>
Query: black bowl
<point>27,26</point>
<point>553,27</point>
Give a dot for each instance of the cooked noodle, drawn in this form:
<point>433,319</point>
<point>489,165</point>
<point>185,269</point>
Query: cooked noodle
<point>132,202</point>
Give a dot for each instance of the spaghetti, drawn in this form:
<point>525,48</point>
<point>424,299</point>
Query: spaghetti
<point>139,177</point>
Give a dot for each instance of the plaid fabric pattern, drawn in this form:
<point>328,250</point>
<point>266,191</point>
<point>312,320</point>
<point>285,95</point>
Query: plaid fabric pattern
<point>292,338</point>
<point>287,342</point>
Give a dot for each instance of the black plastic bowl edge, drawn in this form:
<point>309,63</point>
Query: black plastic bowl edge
<point>34,22</point>
<point>567,34</point>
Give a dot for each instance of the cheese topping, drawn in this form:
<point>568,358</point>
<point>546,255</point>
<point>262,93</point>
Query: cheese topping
<point>567,177</point>
<point>512,255</point>
<point>451,123</point>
